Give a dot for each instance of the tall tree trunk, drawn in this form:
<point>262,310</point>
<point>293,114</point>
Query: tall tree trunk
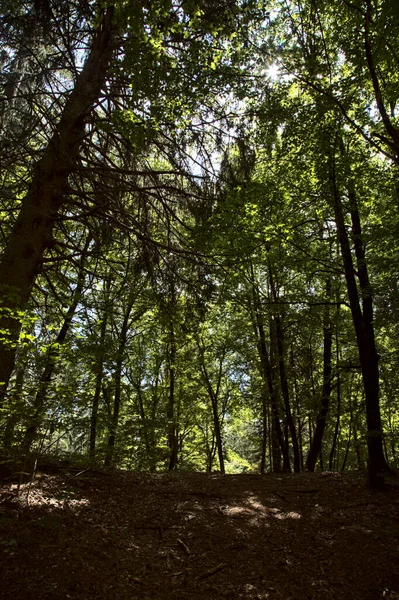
<point>297,406</point>
<point>48,191</point>
<point>390,394</point>
<point>171,410</point>
<point>315,447</point>
<point>266,373</point>
<point>275,448</point>
<point>144,425</point>
<point>120,355</point>
<point>364,329</point>
<point>214,396</point>
<point>283,377</point>
<point>276,424</point>
<point>52,357</point>
<point>99,376</point>
<point>338,415</point>
<point>264,430</point>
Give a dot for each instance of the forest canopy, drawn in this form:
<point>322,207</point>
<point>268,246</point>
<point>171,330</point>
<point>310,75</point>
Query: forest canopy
<point>199,233</point>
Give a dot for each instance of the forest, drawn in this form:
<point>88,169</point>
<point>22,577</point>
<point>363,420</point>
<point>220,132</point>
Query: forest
<point>199,234</point>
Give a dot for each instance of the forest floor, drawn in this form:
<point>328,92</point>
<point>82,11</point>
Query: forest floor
<point>119,536</point>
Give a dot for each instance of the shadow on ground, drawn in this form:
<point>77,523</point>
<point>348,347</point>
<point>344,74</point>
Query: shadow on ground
<point>108,536</point>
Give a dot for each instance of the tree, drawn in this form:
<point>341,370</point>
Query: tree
<point>32,232</point>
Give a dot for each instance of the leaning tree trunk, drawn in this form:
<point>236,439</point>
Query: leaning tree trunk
<point>315,447</point>
<point>364,329</point>
<point>48,191</point>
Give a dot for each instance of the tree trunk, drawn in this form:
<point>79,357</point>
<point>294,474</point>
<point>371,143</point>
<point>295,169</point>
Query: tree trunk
<point>275,448</point>
<point>214,396</point>
<point>264,431</point>
<point>297,407</point>
<point>267,378</point>
<point>315,448</point>
<point>364,329</point>
<point>331,464</point>
<point>99,378</point>
<point>144,426</point>
<point>32,232</point>
<point>283,378</point>
<point>171,410</point>
<point>120,355</point>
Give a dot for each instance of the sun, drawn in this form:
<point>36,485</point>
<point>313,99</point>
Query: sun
<point>273,71</point>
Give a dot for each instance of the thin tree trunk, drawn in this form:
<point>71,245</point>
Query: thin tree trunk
<point>273,445</point>
<point>333,460</point>
<point>266,372</point>
<point>214,396</point>
<point>316,446</point>
<point>283,378</point>
<point>144,428</point>
<point>297,406</point>
<point>48,191</point>
<point>171,410</point>
<point>275,376</point>
<point>99,379</point>
<point>120,356</point>
<point>264,431</point>
<point>351,422</point>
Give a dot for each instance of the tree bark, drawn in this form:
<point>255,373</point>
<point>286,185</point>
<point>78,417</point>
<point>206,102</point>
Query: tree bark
<point>364,329</point>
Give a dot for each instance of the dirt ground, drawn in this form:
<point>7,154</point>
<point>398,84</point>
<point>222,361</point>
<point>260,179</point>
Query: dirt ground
<point>119,536</point>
